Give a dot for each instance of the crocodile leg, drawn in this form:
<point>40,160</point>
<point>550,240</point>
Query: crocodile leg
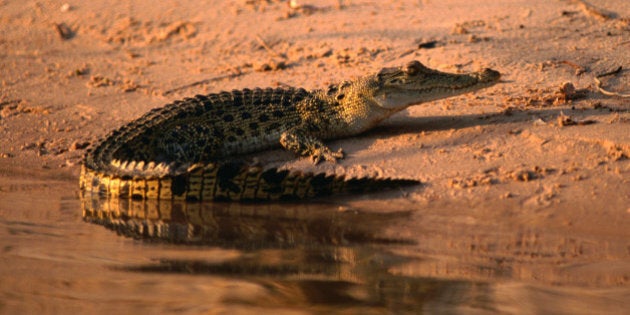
<point>302,143</point>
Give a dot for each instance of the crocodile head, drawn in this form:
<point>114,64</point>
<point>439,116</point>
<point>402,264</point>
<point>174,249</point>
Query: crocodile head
<point>413,83</point>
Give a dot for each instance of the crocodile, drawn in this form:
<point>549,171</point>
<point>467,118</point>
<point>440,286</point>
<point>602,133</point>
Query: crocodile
<point>192,149</point>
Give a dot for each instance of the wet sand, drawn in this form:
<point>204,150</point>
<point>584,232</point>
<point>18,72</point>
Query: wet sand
<point>526,185</point>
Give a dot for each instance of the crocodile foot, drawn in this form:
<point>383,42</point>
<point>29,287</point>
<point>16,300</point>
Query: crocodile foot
<point>325,154</point>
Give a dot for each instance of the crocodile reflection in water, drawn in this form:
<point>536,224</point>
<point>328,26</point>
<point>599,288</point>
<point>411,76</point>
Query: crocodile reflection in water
<point>233,225</point>
<point>306,254</point>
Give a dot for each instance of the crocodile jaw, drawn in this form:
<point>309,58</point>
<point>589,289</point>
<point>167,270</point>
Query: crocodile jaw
<point>398,88</point>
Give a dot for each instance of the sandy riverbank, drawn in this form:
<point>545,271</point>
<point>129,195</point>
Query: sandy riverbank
<point>523,151</point>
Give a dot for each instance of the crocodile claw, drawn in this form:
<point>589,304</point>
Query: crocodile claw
<point>327,155</point>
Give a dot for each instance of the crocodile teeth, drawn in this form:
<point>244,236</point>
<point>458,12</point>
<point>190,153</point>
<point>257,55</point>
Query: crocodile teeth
<point>131,166</point>
<point>150,166</point>
<point>161,167</point>
<point>116,163</point>
<point>194,167</point>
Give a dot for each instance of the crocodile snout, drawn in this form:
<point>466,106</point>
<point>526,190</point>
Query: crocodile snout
<point>489,75</point>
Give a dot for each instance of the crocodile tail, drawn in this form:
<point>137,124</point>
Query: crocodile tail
<point>233,181</point>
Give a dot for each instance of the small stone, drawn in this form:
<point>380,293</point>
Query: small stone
<point>459,30</point>
<point>129,86</point>
<point>293,4</point>
<point>65,7</point>
<point>79,145</point>
<point>28,146</point>
<point>270,66</point>
<point>539,122</point>
<point>262,67</point>
<point>564,120</point>
<point>325,52</point>
<point>568,89</point>
<point>99,81</point>
<point>473,38</point>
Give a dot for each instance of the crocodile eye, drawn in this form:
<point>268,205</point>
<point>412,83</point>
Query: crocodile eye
<point>332,89</point>
<point>412,67</point>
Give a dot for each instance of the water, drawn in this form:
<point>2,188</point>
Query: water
<point>62,254</point>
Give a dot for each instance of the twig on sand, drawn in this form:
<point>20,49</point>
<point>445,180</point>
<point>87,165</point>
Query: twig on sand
<point>578,69</point>
<point>598,84</point>
<point>407,52</point>
<point>282,84</point>
<point>593,11</point>
<point>268,48</point>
